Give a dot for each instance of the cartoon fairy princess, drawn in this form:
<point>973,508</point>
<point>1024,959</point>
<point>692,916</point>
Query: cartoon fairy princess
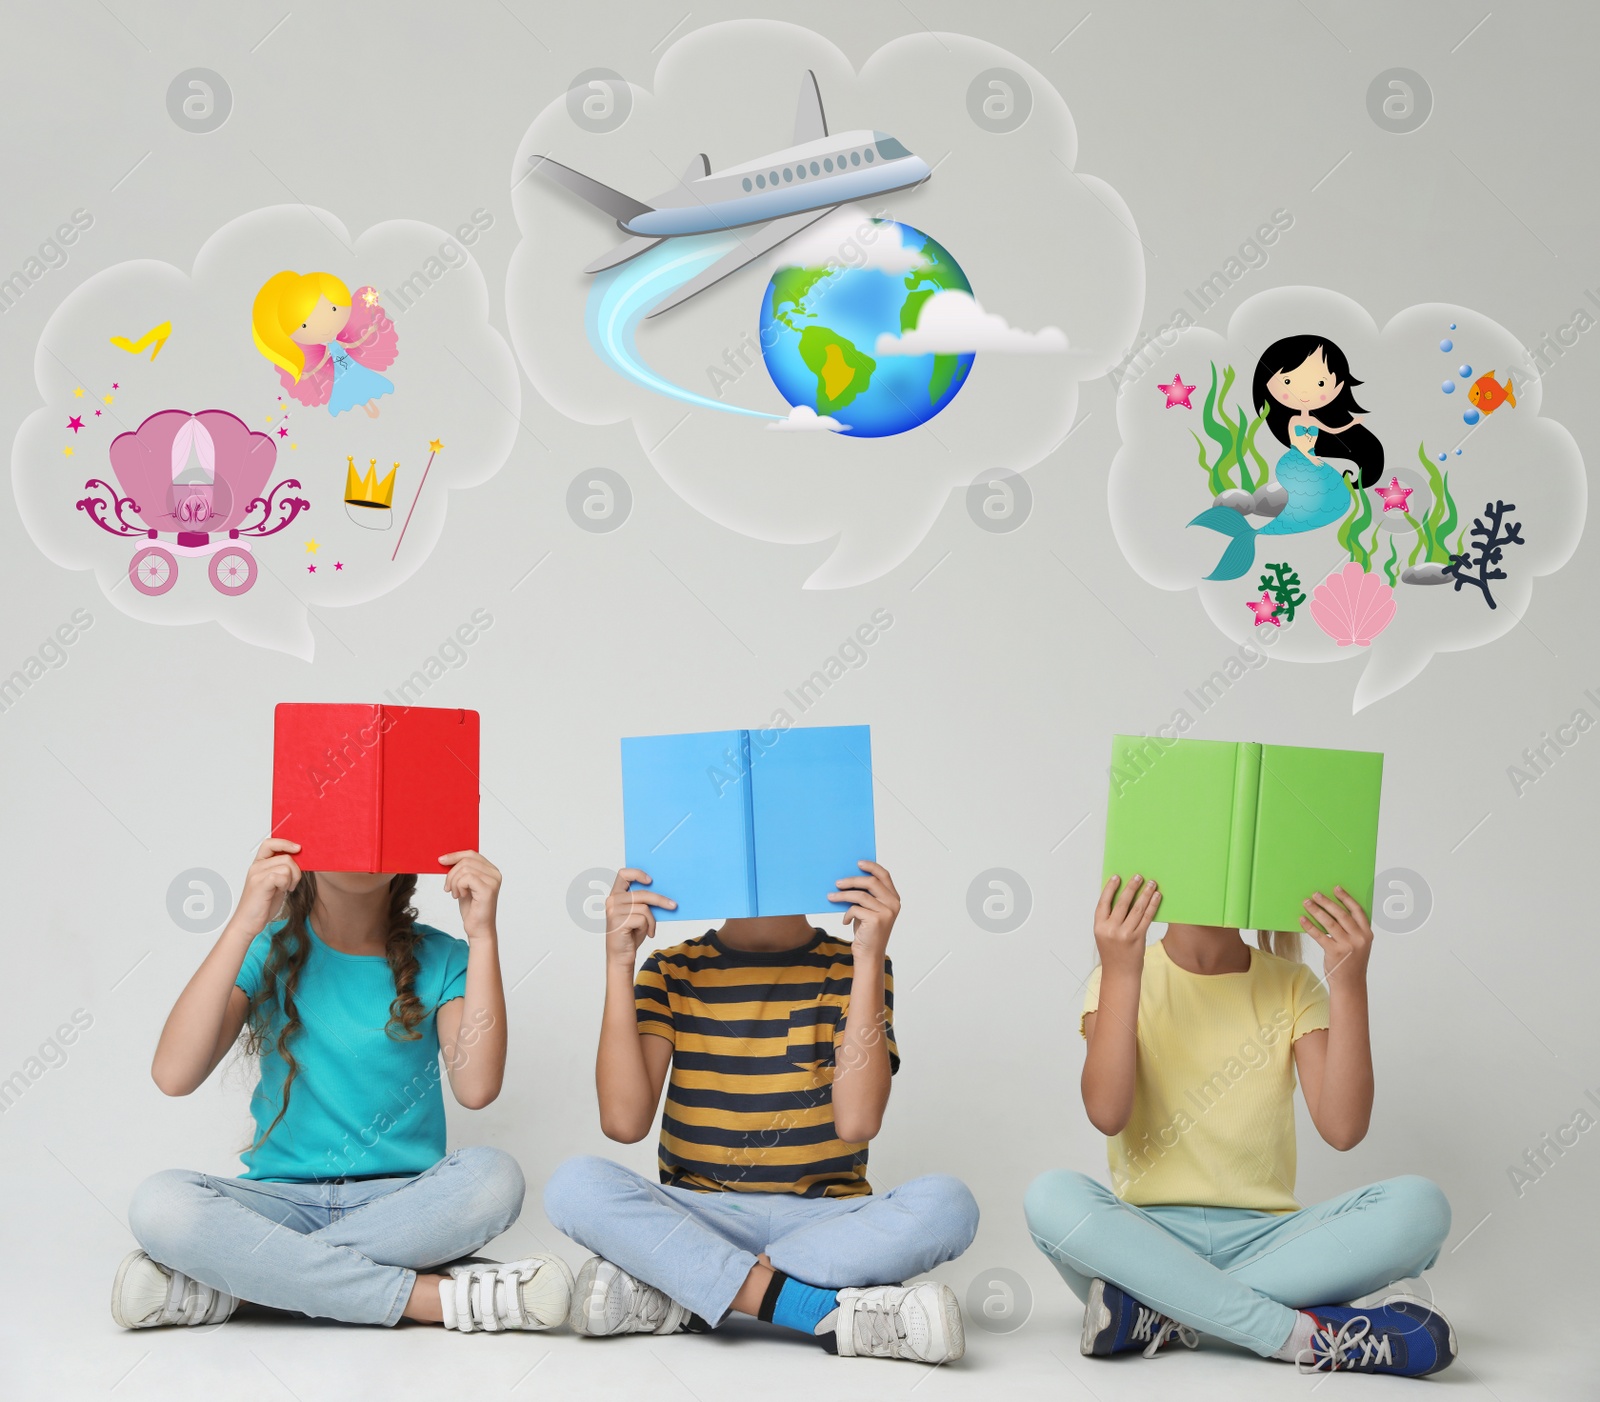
<point>327,343</point>
<point>1303,385</point>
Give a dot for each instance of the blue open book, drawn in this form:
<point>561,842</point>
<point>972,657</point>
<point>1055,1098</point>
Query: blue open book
<point>737,823</point>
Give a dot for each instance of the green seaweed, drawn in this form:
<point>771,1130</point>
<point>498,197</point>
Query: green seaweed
<point>1433,531</point>
<point>1234,436</point>
<point>1391,566</point>
<point>1353,525</point>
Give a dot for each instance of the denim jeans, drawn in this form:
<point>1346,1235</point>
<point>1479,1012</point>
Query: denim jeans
<point>345,1250</point>
<point>1232,1273</point>
<point>699,1247</point>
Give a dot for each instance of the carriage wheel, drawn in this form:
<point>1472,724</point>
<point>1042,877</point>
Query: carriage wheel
<point>233,570</point>
<point>153,570</point>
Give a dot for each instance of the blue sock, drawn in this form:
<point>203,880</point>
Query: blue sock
<point>796,1305</point>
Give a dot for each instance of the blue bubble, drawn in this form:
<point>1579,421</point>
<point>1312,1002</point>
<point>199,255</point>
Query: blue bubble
<point>1441,455</point>
<point>1447,345</point>
<point>1465,372</point>
<point>1458,452</point>
<point>1449,386</point>
<point>1471,416</point>
<point>1452,326</point>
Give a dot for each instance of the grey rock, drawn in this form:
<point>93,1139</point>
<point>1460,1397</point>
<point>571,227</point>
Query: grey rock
<point>1270,500</point>
<point>1233,498</point>
<point>1424,574</point>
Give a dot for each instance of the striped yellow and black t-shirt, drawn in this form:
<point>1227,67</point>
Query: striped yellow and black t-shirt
<point>750,1097</point>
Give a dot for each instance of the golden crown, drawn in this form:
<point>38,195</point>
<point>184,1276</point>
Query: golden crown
<point>368,491</point>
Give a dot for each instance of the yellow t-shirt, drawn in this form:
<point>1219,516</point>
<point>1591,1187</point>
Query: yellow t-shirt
<point>1213,1100</point>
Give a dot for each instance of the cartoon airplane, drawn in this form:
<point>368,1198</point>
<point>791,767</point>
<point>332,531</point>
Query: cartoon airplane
<point>783,192</point>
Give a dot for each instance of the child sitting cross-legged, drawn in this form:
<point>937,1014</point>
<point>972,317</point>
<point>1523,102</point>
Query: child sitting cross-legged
<point>779,1040</point>
<point>1195,1042</point>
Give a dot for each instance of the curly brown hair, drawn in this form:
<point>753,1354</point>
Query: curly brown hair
<point>280,978</point>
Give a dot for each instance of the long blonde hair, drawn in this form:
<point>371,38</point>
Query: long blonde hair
<point>284,302</point>
<point>1284,943</point>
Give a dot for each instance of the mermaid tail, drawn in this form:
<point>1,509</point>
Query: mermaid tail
<point>1241,552</point>
<point>1318,497</point>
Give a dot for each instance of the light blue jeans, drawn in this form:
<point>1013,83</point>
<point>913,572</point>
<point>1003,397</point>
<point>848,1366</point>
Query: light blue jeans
<point>699,1247</point>
<point>347,1250</point>
<point>1232,1273</point>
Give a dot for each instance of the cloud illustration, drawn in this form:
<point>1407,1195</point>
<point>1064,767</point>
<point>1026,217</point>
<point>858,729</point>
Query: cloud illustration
<point>694,384</point>
<point>804,419</point>
<point>454,383</point>
<point>1439,452</point>
<point>953,323</point>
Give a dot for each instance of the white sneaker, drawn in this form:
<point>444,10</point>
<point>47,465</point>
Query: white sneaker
<point>532,1293</point>
<point>917,1322</point>
<point>147,1294</point>
<point>607,1300</point>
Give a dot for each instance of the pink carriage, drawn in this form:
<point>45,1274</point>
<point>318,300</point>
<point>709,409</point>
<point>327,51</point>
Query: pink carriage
<point>202,479</point>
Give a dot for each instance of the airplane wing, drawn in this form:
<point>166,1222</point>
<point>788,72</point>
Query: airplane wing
<point>760,240</point>
<point>630,247</point>
<point>810,123</point>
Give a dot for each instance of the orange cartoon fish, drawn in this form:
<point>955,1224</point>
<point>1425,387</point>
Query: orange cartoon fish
<point>1485,394</point>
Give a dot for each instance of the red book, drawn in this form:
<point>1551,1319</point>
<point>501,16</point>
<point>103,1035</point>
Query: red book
<point>375,788</point>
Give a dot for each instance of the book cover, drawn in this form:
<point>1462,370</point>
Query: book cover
<point>738,823</point>
<point>1240,833</point>
<point>375,788</point>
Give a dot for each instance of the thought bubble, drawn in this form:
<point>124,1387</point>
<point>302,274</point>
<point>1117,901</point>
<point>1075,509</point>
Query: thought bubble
<point>1001,205</point>
<point>184,354</point>
<point>1373,571</point>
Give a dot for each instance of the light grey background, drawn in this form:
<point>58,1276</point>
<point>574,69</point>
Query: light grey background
<point>991,697</point>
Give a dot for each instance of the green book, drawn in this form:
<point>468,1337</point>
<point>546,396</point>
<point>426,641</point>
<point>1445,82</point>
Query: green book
<point>1240,834</point>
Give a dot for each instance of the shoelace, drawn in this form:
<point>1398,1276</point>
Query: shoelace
<point>1338,1349</point>
<point>878,1324</point>
<point>646,1306</point>
<point>1155,1326</point>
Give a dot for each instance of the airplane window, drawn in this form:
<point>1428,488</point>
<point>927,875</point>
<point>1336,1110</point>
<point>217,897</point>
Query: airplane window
<point>788,173</point>
<point>813,167</point>
<point>800,171</point>
<point>827,162</point>
<point>747,184</point>
<point>761,180</point>
<point>890,149</point>
<point>868,154</point>
<point>773,177</point>
<point>855,158</point>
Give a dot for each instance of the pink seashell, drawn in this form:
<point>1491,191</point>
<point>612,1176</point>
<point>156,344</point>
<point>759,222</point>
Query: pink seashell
<point>1352,606</point>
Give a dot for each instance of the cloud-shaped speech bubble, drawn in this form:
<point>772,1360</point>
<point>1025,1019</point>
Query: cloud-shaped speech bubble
<point>216,488</point>
<point>1390,519</point>
<point>959,268</point>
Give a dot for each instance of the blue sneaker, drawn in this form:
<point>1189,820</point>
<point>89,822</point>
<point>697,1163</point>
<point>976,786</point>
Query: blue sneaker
<point>1115,1322</point>
<point>1402,1335</point>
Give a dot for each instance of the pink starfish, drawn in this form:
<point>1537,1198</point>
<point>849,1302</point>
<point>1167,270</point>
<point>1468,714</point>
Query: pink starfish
<point>1264,609</point>
<point>1394,496</point>
<point>1177,393</point>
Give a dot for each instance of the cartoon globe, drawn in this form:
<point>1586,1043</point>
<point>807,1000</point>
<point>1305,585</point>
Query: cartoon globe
<point>819,338</point>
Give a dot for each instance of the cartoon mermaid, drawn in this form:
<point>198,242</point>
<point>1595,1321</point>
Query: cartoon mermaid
<point>1303,385</point>
<point>328,344</point>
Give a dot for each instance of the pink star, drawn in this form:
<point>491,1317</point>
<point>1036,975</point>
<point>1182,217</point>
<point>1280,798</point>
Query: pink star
<point>74,423</point>
<point>338,564</point>
<point>97,413</point>
<point>311,569</point>
<point>283,433</point>
<point>1264,609</point>
<point>114,385</point>
<point>1394,496</point>
<point>1177,393</point>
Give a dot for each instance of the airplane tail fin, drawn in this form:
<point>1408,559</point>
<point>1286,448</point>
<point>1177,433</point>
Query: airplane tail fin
<point>619,206</point>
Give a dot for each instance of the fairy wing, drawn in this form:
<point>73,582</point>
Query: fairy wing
<point>314,386</point>
<point>378,350</point>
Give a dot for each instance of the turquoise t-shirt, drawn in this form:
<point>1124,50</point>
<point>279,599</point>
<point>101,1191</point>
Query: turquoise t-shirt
<point>364,1104</point>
